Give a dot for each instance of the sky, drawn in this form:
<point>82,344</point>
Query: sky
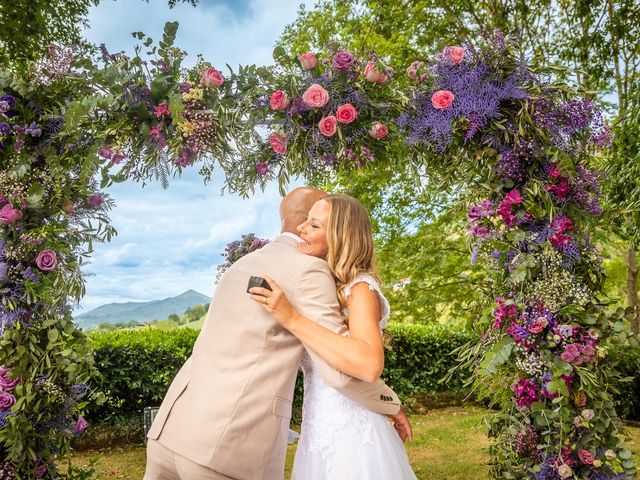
<point>170,240</point>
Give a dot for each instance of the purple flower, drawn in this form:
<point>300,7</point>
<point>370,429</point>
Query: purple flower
<point>4,106</point>
<point>476,212</point>
<point>20,130</point>
<point>10,99</point>
<point>478,99</point>
<point>5,128</point>
<point>17,145</point>
<point>185,87</point>
<point>4,267</point>
<point>526,393</point>
<point>28,274</point>
<point>106,153</point>
<point>480,231</point>
<point>343,61</point>
<point>81,425</point>
<point>116,158</point>
<point>6,400</point>
<point>33,130</point>
<point>95,201</point>
<point>262,167</point>
<point>185,159</point>
<point>47,260</point>
<point>7,383</point>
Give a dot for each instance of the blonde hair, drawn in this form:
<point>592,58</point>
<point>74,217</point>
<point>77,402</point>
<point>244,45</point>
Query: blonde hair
<point>350,241</point>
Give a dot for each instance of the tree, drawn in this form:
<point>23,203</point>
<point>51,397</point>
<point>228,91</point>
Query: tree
<point>28,27</point>
<point>195,313</point>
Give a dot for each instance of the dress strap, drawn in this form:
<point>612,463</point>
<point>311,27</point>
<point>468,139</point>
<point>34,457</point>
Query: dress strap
<point>373,285</point>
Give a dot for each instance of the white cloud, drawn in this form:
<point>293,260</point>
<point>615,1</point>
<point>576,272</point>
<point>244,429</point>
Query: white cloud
<point>170,240</point>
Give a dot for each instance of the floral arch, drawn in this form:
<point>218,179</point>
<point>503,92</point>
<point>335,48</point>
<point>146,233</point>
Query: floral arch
<point>475,114</point>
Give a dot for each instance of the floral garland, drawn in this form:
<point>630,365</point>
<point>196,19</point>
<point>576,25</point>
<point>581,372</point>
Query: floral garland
<point>50,212</point>
<point>544,339</point>
<point>325,111</point>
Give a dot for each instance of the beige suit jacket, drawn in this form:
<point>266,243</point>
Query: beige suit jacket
<point>230,404</point>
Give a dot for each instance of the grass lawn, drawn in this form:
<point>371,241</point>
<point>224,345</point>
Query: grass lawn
<point>448,443</point>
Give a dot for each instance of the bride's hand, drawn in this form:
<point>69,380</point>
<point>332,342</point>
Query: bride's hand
<point>275,302</point>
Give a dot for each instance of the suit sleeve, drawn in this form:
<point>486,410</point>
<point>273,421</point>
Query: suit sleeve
<point>315,298</point>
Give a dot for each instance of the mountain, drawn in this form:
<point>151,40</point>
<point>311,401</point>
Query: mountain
<point>140,311</point>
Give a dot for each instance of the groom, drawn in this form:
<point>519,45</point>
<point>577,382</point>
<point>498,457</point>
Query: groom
<point>226,414</point>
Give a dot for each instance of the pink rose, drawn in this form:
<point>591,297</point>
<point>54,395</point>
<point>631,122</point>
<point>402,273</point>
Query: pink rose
<point>308,60</point>
<point>278,141</point>
<point>6,401</point>
<point>8,214</point>
<point>586,457</point>
<point>328,125</point>
<point>370,72</point>
<point>382,78</point>
<point>346,113</point>
<point>378,130</point>
<point>47,260</point>
<point>442,99</point>
<point>538,325</point>
<point>7,383</point>
<point>454,54</point>
<point>279,100</point>
<point>315,96</point>
<point>210,77</point>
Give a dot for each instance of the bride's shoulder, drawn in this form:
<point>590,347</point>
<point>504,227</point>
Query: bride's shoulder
<point>363,279</point>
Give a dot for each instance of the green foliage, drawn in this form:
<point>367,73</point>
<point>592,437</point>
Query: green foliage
<point>137,367</point>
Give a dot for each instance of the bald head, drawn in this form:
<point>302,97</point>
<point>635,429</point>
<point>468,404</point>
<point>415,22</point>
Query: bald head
<point>296,205</point>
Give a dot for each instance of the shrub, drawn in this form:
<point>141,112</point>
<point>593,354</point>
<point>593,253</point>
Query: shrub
<point>137,368</point>
<point>139,365</point>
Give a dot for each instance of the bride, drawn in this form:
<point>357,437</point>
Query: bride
<point>340,439</point>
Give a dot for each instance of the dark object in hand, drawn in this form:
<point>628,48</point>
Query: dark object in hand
<point>258,282</point>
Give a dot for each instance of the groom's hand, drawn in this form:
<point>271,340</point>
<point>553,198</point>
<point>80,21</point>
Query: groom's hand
<point>402,425</point>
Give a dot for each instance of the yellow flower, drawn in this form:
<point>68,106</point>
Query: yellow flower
<point>195,93</point>
<point>185,127</point>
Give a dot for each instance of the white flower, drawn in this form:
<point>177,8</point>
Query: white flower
<point>588,414</point>
<point>565,471</point>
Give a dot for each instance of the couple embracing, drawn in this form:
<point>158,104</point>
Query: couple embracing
<point>226,414</point>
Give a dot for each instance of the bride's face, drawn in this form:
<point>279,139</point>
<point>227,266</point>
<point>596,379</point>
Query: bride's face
<point>314,230</point>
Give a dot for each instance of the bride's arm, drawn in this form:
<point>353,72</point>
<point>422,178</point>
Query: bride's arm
<point>359,355</point>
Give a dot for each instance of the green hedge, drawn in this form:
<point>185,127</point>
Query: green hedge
<point>138,366</point>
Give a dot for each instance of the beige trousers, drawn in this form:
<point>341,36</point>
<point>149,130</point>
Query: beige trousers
<point>164,464</point>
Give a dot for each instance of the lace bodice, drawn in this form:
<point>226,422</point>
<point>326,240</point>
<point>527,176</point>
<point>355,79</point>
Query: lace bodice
<point>328,417</point>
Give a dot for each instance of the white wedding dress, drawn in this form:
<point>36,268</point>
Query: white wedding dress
<point>340,440</point>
